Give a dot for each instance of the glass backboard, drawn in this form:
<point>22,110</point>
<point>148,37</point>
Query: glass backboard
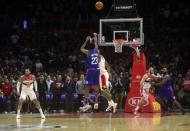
<point>129,29</point>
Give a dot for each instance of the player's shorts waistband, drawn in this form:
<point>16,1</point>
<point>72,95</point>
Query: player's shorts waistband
<point>25,84</point>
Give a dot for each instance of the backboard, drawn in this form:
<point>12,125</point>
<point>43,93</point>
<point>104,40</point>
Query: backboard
<point>129,29</point>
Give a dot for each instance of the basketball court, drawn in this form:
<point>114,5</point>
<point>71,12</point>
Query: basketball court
<point>97,122</point>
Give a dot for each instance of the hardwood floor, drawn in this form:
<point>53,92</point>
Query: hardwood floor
<point>96,122</point>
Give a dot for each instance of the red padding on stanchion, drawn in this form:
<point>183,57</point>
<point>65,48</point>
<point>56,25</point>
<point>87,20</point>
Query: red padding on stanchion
<point>138,70</point>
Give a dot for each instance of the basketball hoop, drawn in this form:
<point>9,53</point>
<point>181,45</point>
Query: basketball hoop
<point>118,44</point>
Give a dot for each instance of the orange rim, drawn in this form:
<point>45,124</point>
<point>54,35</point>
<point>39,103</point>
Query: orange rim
<point>119,41</point>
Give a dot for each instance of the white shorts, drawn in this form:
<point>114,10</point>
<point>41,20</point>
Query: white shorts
<point>146,88</point>
<point>28,92</point>
<point>103,80</point>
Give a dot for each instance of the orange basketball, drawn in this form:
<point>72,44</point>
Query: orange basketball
<point>99,5</point>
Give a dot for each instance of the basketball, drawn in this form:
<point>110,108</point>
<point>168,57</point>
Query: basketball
<point>99,5</point>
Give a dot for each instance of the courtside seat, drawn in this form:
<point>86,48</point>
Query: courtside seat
<point>63,97</point>
<point>4,98</point>
<point>49,97</point>
<point>75,97</point>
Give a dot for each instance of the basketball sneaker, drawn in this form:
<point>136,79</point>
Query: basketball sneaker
<point>96,106</point>
<point>135,112</point>
<point>109,108</point>
<point>43,116</point>
<point>80,109</point>
<point>18,116</point>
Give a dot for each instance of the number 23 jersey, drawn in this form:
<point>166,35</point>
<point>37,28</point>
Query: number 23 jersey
<point>92,61</point>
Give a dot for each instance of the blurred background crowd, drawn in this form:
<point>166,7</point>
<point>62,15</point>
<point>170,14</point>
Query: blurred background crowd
<point>47,38</point>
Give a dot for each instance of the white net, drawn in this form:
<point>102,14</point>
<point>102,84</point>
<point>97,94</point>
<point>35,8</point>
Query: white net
<point>118,44</point>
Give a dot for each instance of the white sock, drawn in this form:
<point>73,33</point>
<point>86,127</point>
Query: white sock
<point>137,108</point>
<point>41,112</point>
<point>18,112</point>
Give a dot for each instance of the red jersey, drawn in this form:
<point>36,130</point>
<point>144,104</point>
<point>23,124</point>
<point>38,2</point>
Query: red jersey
<point>7,88</point>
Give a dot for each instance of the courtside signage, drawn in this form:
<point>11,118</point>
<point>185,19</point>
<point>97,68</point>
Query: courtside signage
<point>133,101</point>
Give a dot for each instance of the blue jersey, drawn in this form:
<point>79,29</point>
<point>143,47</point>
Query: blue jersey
<point>167,91</point>
<point>168,85</point>
<point>92,61</point>
<point>92,66</point>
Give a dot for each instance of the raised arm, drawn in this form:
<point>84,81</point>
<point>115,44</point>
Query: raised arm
<point>82,49</point>
<point>95,40</point>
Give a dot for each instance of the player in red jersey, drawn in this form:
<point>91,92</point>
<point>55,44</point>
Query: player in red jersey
<point>27,82</point>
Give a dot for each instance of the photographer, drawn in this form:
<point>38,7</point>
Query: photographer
<point>119,90</point>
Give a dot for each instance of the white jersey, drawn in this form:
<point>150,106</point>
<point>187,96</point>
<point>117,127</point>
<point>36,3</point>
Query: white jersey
<point>27,83</point>
<point>146,86</point>
<point>104,76</point>
<point>146,83</point>
<point>102,64</point>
